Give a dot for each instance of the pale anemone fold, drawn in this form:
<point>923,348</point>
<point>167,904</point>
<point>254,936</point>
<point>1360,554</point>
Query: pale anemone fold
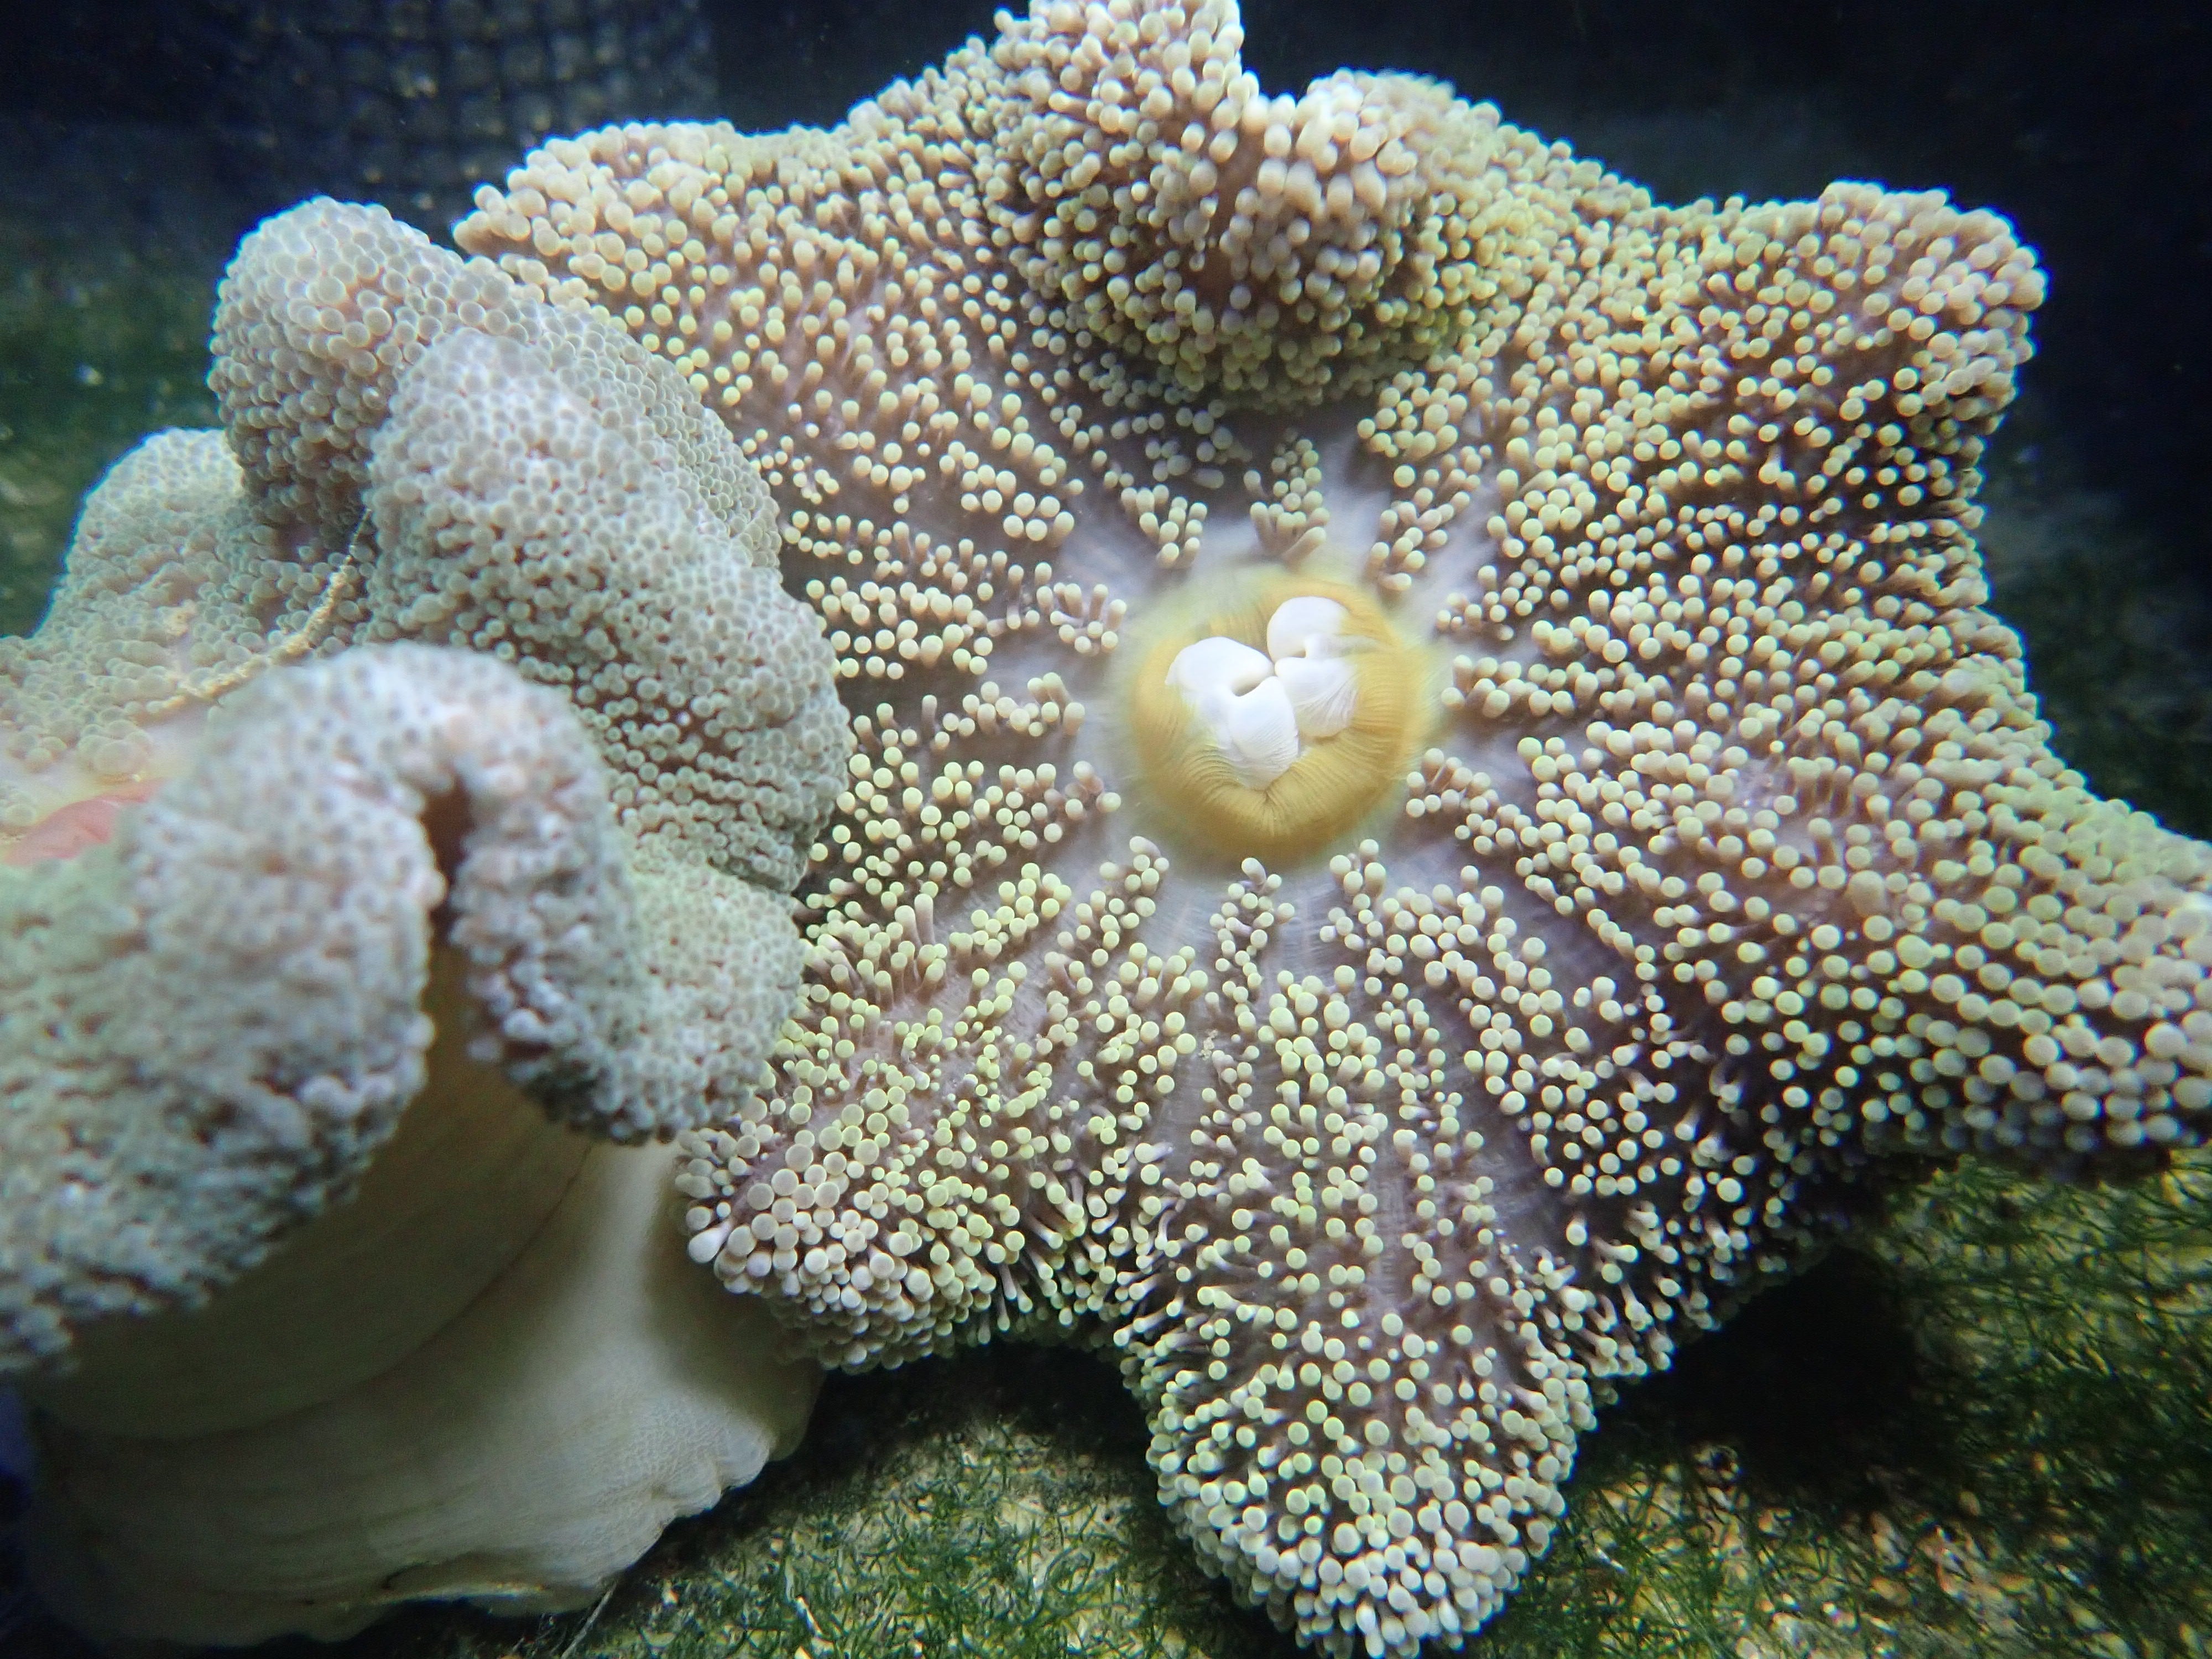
<point>398,809</point>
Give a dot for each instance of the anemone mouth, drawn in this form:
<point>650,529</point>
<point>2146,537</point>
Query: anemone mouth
<point>1269,718</point>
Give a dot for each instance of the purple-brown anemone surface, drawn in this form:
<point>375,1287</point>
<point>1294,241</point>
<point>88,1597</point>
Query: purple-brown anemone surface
<point>1435,787</point>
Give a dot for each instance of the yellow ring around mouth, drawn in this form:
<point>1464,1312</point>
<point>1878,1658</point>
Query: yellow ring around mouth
<point>1335,784</point>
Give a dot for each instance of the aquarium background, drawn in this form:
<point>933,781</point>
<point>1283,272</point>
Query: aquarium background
<point>1983,1426</point>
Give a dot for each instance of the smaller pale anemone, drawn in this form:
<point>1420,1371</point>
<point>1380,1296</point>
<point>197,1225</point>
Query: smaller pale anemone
<point>351,1004</point>
<point>273,1198</point>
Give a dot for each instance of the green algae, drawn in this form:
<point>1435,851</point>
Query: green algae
<point>97,349</point>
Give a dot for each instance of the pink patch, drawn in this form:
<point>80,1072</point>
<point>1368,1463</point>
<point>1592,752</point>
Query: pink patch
<point>68,830</point>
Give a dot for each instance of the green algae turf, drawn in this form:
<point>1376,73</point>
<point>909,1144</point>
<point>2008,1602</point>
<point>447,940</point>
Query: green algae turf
<point>97,348</point>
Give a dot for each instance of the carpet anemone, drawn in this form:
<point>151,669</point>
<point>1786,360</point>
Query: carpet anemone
<point>1435,791</point>
<point>399,802</point>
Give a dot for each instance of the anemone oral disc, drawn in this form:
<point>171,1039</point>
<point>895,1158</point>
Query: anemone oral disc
<point>1275,753</point>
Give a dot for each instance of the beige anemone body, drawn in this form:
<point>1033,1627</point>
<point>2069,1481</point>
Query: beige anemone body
<point>358,982</point>
<point>1704,846</point>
